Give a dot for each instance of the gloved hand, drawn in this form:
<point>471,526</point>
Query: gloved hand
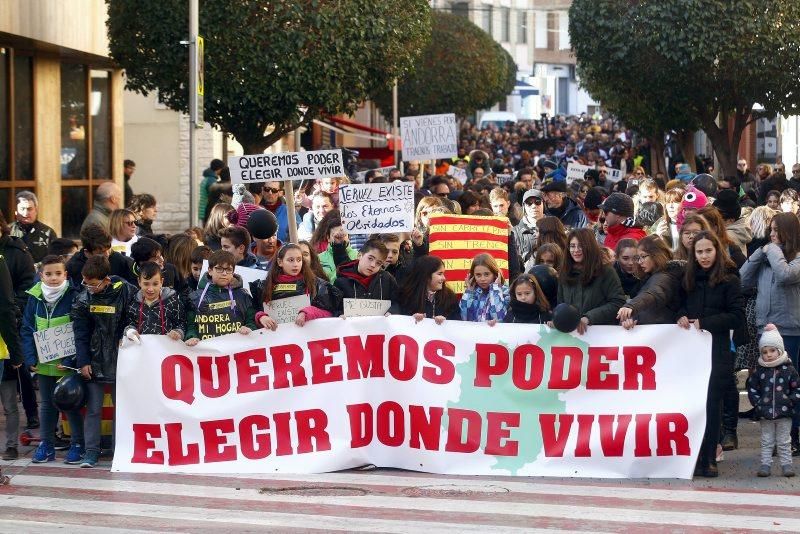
<point>133,335</point>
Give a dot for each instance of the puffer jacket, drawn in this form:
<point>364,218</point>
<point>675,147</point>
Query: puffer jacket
<point>599,301</point>
<point>479,304</point>
<point>774,392</point>
<point>210,300</point>
<point>778,284</point>
<point>99,320</point>
<point>618,232</point>
<point>39,316</point>
<point>160,317</point>
<point>659,297</point>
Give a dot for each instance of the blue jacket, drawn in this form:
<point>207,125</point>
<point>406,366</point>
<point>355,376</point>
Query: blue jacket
<point>36,318</point>
<point>282,214</point>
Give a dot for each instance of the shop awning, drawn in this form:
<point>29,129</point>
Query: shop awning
<point>524,89</point>
<point>325,124</point>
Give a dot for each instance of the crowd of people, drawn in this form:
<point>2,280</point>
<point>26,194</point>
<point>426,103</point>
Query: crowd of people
<point>717,254</point>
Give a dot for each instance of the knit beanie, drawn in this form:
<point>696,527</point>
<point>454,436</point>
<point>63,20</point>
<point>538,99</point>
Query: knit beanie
<point>241,195</point>
<point>771,338</point>
<point>240,215</point>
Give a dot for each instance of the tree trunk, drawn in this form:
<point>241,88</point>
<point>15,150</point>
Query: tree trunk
<point>723,147</point>
<point>687,148</point>
<point>657,163</point>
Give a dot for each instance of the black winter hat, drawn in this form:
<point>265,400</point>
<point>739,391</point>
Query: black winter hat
<point>706,183</point>
<point>727,202</point>
<point>594,198</point>
<point>618,204</point>
<point>559,186</point>
<point>262,224</point>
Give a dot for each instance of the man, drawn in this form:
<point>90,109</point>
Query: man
<point>618,210</point>
<point>794,181</point>
<point>130,168</point>
<point>746,178</point>
<point>321,204</point>
<point>33,232</point>
<point>525,176</point>
<point>526,232</point>
<point>210,176</point>
<point>558,204</point>
<point>439,187</point>
<point>107,198</point>
<point>395,174</point>
<point>273,200</point>
<point>736,227</point>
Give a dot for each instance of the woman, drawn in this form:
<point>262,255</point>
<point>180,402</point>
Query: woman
<point>122,227</point>
<point>321,205</point>
<point>217,220</point>
<point>667,227</point>
<point>144,206</point>
<point>625,265</point>
<point>692,225</point>
<point>717,224</point>
<point>586,283</point>
<point>423,211</point>
<point>774,200</point>
<point>179,253</point>
<point>424,293</point>
<point>759,221</point>
<point>712,301</point>
<point>657,298</point>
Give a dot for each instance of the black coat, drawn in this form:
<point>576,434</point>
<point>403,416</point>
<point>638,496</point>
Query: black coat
<point>121,265</point>
<point>20,267</point>
<point>327,297</point>
<point>382,285</point>
<point>432,309</point>
<point>658,298</point>
<point>37,237</point>
<point>9,332</point>
<point>520,312</point>
<point>629,282</point>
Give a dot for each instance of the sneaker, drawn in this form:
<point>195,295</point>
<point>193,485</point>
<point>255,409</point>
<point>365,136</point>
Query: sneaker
<point>90,459</point>
<point>44,453</point>
<point>74,454</point>
<point>33,423</point>
<point>764,470</point>
<point>787,471</point>
<point>11,454</point>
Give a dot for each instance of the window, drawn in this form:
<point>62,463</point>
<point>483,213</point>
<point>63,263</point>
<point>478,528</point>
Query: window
<point>522,27</point>
<point>563,31</point>
<point>540,32</point>
<point>505,24</point>
<point>460,8</point>
<point>101,124</point>
<point>488,19</point>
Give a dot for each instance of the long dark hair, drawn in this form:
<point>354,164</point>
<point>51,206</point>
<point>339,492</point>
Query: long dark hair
<point>414,291</point>
<point>722,264</point>
<point>551,230</point>
<point>541,301</point>
<point>572,273</point>
<point>274,271</point>
<point>332,219</point>
<point>316,265</point>
<point>788,229</point>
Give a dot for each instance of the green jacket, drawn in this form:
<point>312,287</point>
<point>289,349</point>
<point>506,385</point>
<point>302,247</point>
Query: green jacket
<point>599,300</point>
<point>328,260</point>
<point>37,317</point>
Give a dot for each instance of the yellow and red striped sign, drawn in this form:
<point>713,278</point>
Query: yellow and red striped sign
<point>457,239</point>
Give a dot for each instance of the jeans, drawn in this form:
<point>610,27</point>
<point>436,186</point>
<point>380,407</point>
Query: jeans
<point>792,346</point>
<point>708,449</point>
<point>8,397</point>
<point>776,432</point>
<point>27,393</point>
<point>48,414</point>
<point>94,414</point>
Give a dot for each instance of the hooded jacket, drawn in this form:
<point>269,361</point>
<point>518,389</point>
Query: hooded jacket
<point>778,289</point>
<point>774,392</point>
<point>39,316</point>
<point>20,267</point>
<point>621,231</point>
<point>659,297</point>
<point>99,321</point>
<point>352,284</point>
<point>160,317</point>
<point>571,215</point>
<point>212,313</point>
<point>599,300</point>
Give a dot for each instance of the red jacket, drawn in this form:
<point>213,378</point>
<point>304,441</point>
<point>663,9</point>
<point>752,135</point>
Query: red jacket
<point>620,231</point>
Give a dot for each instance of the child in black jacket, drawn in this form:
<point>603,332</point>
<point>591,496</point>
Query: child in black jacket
<point>155,309</point>
<point>528,303</point>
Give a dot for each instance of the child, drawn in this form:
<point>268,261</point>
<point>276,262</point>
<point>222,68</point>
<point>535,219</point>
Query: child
<point>155,309</point>
<point>363,277</point>
<point>219,305</point>
<point>99,315</point>
<point>236,240</point>
<point>49,305</point>
<point>774,393</point>
<point>485,295</point>
<point>290,276</point>
<point>528,302</point>
<point>339,250</point>
<point>199,254</point>
<point>398,263</point>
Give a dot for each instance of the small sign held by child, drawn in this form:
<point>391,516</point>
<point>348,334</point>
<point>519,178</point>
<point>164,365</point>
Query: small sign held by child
<point>55,343</point>
<point>286,310</point>
<point>366,307</point>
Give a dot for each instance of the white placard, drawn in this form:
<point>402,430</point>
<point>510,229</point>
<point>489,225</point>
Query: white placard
<point>504,178</point>
<point>429,136</point>
<point>576,171</point>
<point>366,307</point>
<point>377,208</point>
<point>55,343</point>
<point>286,310</point>
<point>458,174</point>
<point>310,165</point>
<point>614,175</point>
<point>247,274</point>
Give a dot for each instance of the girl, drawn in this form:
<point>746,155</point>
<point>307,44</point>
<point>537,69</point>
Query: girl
<point>625,266</point>
<point>528,302</point>
<point>550,254</point>
<point>551,230</point>
<point>586,283</point>
<point>692,225</point>
<point>485,295</point>
<point>712,301</point>
<point>774,200</point>
<point>667,227</point>
<point>311,257</point>
<point>122,227</point>
<point>144,207</point>
<point>658,298</point>
<point>290,276</point>
<point>49,305</point>
<point>424,293</point>
<point>217,220</point>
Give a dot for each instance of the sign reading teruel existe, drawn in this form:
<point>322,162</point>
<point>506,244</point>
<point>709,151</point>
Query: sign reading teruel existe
<point>457,398</point>
<point>310,165</point>
<point>429,136</point>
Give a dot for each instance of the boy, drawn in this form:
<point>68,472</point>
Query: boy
<point>363,277</point>
<point>199,254</point>
<point>155,309</point>
<point>398,262</point>
<point>99,315</point>
<point>95,241</point>
<point>236,240</point>
<point>149,250</point>
<point>219,305</point>
<point>49,305</point>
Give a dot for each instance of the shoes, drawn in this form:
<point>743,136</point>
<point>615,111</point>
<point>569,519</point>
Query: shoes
<point>90,459</point>
<point>33,423</point>
<point>61,444</point>
<point>764,470</point>
<point>711,471</point>
<point>730,441</point>
<point>11,454</point>
<point>787,471</point>
<point>74,454</point>
<point>44,453</point>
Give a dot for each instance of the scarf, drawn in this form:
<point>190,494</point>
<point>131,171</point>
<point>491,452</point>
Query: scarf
<point>783,358</point>
<point>52,294</point>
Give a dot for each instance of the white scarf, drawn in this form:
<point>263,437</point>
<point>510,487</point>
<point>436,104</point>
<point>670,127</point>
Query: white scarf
<point>783,358</point>
<point>52,294</point>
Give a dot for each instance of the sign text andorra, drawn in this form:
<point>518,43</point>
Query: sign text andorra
<point>310,165</point>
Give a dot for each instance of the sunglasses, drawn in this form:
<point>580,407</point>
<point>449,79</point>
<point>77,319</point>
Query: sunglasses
<point>271,190</point>
<point>534,200</point>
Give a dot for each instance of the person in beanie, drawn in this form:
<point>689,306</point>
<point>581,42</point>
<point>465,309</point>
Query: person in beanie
<point>591,204</point>
<point>618,210</point>
<point>736,226</point>
<point>773,390</point>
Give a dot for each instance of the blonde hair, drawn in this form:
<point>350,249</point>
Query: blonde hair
<point>117,221</point>
<point>760,219</point>
<point>426,203</point>
<point>498,193</point>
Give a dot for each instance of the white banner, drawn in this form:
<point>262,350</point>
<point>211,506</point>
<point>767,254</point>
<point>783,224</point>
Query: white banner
<point>247,274</point>
<point>458,174</point>
<point>310,165</point>
<point>457,398</point>
<point>429,136</point>
<point>377,208</point>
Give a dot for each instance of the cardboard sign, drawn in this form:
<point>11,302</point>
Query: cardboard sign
<point>366,307</point>
<point>458,174</point>
<point>286,310</point>
<point>55,343</point>
<point>248,275</point>
<point>614,175</point>
<point>310,165</point>
<point>218,321</point>
<point>377,208</point>
<point>429,136</point>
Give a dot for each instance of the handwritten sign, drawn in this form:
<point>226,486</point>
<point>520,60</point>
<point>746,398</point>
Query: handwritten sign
<point>429,136</point>
<point>576,171</point>
<point>55,343</point>
<point>247,274</point>
<point>377,208</point>
<point>286,310</point>
<point>310,165</point>
<point>366,307</point>
<point>458,174</point>
<point>504,178</point>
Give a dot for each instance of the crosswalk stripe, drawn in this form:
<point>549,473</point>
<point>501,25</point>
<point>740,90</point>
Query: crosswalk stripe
<point>37,527</point>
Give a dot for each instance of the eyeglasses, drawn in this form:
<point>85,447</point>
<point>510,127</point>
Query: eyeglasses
<point>130,223</point>
<point>535,200</point>
<point>690,233</point>
<point>223,270</point>
<point>92,287</point>
<point>602,172</point>
<point>271,190</point>
<point>642,257</point>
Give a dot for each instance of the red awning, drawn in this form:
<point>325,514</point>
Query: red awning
<point>357,126</point>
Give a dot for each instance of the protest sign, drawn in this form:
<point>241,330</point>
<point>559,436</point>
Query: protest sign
<point>457,398</point>
<point>429,136</point>
<point>458,174</point>
<point>504,178</point>
<point>55,343</point>
<point>377,208</point>
<point>457,239</point>
<point>286,310</point>
<point>248,275</point>
<point>575,171</point>
<point>365,307</point>
<point>613,175</point>
<point>310,165</point>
